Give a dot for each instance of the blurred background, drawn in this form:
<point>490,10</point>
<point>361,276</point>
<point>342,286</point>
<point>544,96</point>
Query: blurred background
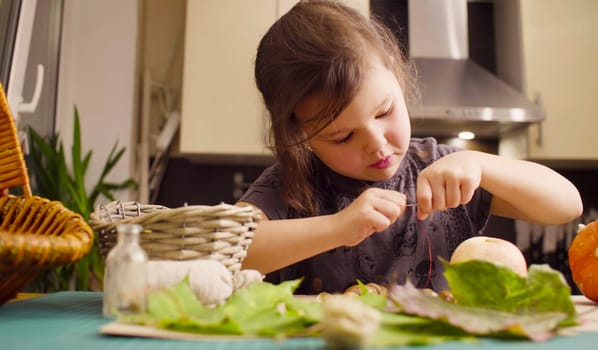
<point>171,81</point>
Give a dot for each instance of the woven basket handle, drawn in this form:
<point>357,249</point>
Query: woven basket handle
<point>13,171</point>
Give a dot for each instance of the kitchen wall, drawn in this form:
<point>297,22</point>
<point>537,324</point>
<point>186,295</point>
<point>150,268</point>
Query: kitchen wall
<point>105,47</point>
<point>98,74</point>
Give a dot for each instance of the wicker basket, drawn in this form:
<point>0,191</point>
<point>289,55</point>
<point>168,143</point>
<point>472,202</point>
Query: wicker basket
<point>221,232</point>
<point>35,233</point>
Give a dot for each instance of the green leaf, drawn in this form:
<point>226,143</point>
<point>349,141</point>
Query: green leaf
<point>258,296</point>
<point>309,309</point>
<point>176,308</point>
<point>550,292</point>
<point>272,322</point>
<point>403,330</point>
<point>176,302</point>
<point>476,320</point>
<point>483,284</point>
<point>255,310</point>
<point>480,283</point>
<point>493,300</point>
<point>374,300</point>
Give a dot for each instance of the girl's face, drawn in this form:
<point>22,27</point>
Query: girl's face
<point>370,137</point>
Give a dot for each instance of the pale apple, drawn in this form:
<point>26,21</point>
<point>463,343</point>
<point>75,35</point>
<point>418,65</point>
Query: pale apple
<point>495,250</point>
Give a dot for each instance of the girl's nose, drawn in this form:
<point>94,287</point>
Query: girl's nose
<point>375,139</point>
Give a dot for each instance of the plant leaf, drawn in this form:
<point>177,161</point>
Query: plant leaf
<point>257,297</point>
<point>52,178</point>
<point>483,284</point>
<point>403,330</point>
<point>251,311</point>
<point>476,320</point>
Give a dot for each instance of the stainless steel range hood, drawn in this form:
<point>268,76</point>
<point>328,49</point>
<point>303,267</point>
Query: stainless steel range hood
<point>456,93</point>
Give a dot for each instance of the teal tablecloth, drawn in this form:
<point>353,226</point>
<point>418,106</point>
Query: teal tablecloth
<point>70,320</point>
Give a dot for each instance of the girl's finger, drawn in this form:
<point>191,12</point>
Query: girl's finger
<point>424,198</point>
<point>438,194</point>
<point>453,192</point>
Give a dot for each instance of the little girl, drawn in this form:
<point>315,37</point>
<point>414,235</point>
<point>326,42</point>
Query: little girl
<point>351,196</point>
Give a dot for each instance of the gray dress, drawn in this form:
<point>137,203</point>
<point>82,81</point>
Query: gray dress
<point>399,253</point>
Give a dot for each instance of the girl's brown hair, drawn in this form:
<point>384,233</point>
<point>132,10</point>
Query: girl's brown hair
<point>319,48</point>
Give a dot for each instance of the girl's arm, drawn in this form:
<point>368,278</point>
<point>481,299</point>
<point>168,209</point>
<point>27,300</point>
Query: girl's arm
<point>521,189</point>
<point>530,191</point>
<point>279,243</point>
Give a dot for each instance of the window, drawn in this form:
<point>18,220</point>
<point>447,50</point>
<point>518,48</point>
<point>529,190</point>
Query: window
<point>31,40</point>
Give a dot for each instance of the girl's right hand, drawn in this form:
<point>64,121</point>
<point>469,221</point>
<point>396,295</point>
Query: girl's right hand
<point>373,211</point>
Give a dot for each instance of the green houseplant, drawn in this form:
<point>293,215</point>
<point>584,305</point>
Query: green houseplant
<point>52,178</point>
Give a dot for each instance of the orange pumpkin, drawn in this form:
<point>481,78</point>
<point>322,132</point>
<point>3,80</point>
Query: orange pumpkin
<point>583,260</point>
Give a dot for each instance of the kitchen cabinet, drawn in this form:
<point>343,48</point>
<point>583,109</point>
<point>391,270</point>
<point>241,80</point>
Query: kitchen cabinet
<point>559,68</point>
<point>221,109</point>
<point>222,112</point>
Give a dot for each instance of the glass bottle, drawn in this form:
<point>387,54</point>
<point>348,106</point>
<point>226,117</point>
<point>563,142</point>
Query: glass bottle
<point>125,274</point>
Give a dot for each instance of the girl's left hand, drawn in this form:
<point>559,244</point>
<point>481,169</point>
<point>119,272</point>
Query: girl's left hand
<point>447,183</point>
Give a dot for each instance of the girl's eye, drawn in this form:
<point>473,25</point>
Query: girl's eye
<point>386,113</point>
<point>344,139</point>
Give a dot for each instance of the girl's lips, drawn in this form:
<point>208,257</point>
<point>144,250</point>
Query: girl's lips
<point>382,163</point>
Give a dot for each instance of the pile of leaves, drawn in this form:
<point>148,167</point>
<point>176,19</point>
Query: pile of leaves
<point>491,301</point>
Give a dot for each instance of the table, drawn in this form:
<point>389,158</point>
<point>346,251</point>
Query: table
<point>70,320</point>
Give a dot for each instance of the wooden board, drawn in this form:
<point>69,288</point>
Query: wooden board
<point>132,330</point>
<point>587,312</point>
